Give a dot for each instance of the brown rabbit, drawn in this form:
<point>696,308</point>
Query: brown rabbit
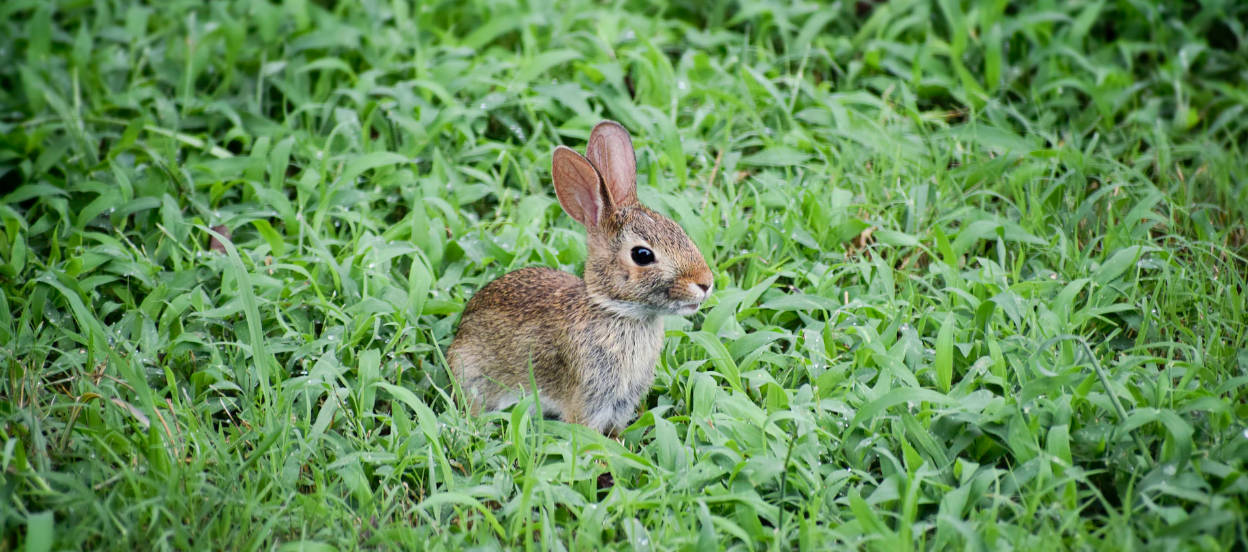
<point>591,344</point>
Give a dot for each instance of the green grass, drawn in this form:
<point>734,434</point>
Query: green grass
<point>980,272</point>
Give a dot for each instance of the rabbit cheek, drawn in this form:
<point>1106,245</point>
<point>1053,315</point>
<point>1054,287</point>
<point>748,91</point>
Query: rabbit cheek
<point>636,273</point>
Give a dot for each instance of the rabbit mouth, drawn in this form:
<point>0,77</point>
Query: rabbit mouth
<point>647,309</point>
<point>686,309</point>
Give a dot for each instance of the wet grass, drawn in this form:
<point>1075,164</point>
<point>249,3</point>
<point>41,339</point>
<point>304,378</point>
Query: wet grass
<point>980,273</point>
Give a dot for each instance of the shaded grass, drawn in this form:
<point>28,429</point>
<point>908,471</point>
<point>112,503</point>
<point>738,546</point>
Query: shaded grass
<point>981,273</point>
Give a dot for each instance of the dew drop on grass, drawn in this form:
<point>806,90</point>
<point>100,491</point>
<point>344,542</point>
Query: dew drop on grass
<point>1169,470</point>
<point>1246,432</point>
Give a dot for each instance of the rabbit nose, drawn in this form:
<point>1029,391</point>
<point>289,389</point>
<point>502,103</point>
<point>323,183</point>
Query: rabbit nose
<point>702,291</point>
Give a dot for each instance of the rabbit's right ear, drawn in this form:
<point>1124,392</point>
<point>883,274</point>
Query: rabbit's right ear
<point>578,186</point>
<point>610,150</point>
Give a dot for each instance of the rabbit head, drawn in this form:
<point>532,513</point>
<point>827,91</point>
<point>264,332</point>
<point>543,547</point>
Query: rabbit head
<point>640,263</point>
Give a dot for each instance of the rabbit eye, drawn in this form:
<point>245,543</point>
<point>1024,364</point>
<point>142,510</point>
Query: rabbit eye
<point>642,255</point>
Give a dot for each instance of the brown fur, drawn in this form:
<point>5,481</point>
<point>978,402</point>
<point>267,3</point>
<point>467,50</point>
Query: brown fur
<point>591,344</point>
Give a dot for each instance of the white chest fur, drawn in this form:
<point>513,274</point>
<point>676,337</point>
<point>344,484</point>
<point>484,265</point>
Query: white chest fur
<point>619,370</point>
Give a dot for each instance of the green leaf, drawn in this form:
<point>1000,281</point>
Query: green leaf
<point>276,244</point>
<point>912,395</point>
<point>776,156</point>
<point>1119,262</point>
<point>943,364</point>
<point>369,369</point>
<point>357,165</point>
<point>719,355</point>
<point>39,532</point>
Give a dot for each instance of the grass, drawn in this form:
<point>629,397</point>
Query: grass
<point>980,271</point>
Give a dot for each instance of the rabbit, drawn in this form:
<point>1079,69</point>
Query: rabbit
<point>591,344</point>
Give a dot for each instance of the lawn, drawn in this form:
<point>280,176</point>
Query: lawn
<point>980,273</point>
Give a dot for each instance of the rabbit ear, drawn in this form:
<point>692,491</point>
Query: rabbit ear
<point>610,150</point>
<point>577,185</point>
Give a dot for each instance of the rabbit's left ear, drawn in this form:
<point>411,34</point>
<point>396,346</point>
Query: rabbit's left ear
<point>610,151</point>
<point>577,185</point>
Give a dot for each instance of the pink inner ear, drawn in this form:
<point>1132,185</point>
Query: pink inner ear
<point>589,206</point>
<point>577,185</point>
<point>610,151</point>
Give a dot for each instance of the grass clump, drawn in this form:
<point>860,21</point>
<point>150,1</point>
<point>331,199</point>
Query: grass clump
<point>980,273</point>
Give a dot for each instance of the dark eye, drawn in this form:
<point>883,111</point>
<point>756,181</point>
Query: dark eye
<point>642,255</point>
